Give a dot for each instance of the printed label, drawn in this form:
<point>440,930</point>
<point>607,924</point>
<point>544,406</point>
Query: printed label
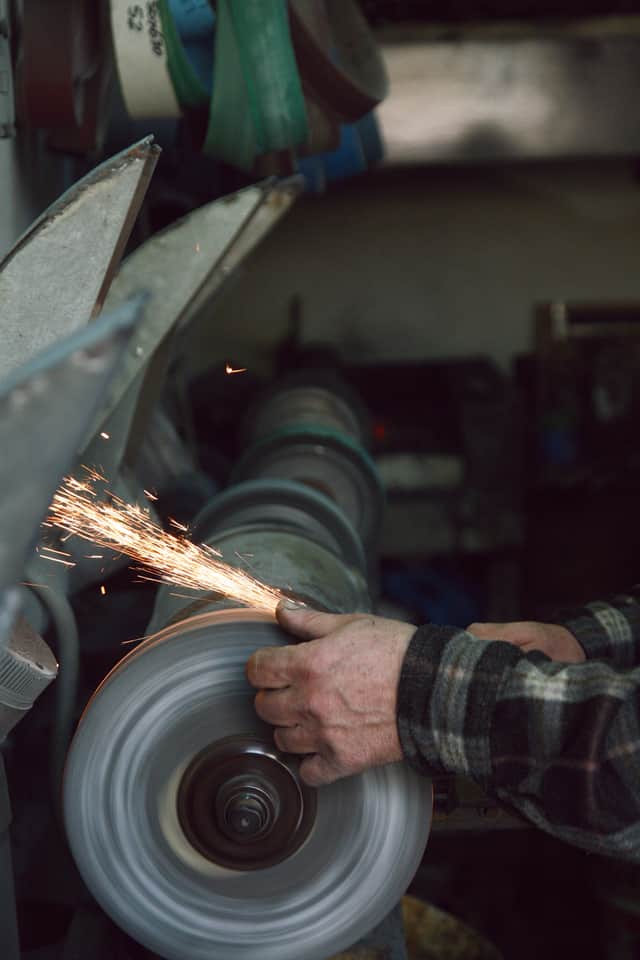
<point>141,56</point>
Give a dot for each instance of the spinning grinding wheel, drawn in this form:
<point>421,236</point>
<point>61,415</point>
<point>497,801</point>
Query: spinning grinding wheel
<point>197,835</point>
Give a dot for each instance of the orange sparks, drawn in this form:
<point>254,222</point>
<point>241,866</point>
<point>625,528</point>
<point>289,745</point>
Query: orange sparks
<point>163,557</point>
<point>103,590</point>
<point>229,369</point>
<point>178,526</point>
<point>105,435</point>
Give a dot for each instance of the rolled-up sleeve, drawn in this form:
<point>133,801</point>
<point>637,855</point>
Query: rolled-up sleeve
<point>608,630</point>
<point>558,742</point>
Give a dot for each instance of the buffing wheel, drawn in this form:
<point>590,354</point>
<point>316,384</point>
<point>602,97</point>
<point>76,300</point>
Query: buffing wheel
<point>279,871</point>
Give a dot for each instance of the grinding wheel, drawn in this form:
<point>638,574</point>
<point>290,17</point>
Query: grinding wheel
<point>198,837</point>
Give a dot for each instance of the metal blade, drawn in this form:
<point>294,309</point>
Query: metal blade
<point>182,268</point>
<point>57,276</point>
<point>44,411</point>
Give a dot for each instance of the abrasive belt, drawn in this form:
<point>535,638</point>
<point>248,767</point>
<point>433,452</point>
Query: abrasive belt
<point>257,105</point>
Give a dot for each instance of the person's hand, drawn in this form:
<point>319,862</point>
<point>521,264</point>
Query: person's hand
<point>557,642</point>
<point>334,696</point>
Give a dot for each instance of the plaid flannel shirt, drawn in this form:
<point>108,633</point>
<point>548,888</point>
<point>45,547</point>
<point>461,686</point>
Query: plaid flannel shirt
<point>559,742</point>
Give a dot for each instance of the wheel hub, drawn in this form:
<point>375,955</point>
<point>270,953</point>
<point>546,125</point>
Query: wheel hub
<point>243,806</point>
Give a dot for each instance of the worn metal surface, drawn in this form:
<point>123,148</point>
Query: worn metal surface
<point>56,277</point>
<point>44,411</point>
<point>272,201</point>
<point>517,95</point>
<point>7,101</point>
<point>181,268</point>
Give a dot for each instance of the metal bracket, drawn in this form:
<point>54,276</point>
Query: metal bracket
<point>7,99</point>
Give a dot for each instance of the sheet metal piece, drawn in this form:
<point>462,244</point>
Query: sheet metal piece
<point>44,411</point>
<point>182,268</point>
<point>170,698</point>
<point>56,277</point>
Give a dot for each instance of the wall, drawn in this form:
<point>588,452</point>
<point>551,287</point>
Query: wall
<point>435,263</point>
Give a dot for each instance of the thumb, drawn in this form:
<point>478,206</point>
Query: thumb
<point>309,624</point>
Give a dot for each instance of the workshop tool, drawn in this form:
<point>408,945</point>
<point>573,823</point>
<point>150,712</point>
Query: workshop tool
<point>258,81</point>
<point>190,828</point>
<point>45,407</point>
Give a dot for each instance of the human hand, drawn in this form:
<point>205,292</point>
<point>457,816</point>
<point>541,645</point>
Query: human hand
<point>333,696</point>
<point>557,642</point>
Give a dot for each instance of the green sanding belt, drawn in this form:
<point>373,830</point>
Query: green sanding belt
<point>257,105</point>
<point>186,83</point>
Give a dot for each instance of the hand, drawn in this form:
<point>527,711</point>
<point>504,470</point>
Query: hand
<point>334,696</point>
<point>557,642</point>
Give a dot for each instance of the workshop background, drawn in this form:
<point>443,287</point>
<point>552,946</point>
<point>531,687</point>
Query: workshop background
<point>464,258</point>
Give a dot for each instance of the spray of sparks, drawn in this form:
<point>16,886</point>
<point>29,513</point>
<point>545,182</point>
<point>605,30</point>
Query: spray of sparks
<point>162,556</point>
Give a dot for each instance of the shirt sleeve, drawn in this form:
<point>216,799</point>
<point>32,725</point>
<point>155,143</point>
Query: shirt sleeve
<point>559,742</point>
<point>608,630</point>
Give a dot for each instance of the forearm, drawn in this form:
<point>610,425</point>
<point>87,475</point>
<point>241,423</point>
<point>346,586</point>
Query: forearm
<point>608,630</point>
<point>559,742</point>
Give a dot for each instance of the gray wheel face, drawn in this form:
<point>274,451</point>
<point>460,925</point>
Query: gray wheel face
<point>294,504</point>
<point>337,469</point>
<point>173,696</point>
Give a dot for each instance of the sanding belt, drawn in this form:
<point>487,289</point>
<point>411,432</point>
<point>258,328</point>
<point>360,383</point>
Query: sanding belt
<point>285,75</point>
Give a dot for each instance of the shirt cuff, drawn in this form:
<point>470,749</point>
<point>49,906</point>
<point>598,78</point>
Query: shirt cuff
<point>607,631</point>
<point>447,692</point>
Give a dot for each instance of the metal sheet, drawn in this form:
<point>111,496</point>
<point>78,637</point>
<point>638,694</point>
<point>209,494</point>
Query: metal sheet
<point>57,275</point>
<point>182,268</point>
<point>516,96</point>
<point>44,411</point>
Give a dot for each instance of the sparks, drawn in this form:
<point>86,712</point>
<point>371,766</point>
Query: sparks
<point>163,556</point>
<point>229,369</point>
<point>103,590</point>
<point>150,496</point>
<point>105,435</point>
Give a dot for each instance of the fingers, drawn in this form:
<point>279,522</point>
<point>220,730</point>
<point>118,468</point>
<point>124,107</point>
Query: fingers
<point>315,771</point>
<point>308,624</point>
<point>278,707</point>
<point>295,740</point>
<point>271,667</point>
